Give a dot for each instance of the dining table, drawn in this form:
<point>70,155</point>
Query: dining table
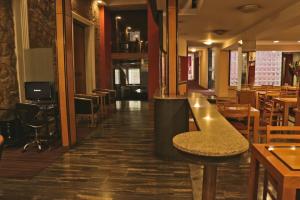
<point>282,163</point>
<point>286,103</point>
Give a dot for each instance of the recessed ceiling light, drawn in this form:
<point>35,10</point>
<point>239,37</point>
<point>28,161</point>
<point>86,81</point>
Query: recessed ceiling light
<point>298,41</point>
<point>208,42</point>
<point>248,8</point>
<point>276,41</point>
<point>220,31</point>
<point>193,50</point>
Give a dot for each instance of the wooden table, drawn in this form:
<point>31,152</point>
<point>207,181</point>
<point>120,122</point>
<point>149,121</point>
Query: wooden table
<point>286,103</point>
<point>277,166</point>
<point>217,140</point>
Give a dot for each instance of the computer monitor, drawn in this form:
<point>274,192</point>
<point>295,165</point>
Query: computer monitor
<point>39,91</point>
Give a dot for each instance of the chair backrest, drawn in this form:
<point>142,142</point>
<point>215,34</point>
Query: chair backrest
<point>247,97</point>
<point>285,133</point>
<point>26,112</point>
<point>288,93</point>
<point>238,111</point>
<point>221,101</point>
<point>268,116</point>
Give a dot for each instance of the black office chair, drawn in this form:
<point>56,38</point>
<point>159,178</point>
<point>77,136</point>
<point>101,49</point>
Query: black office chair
<point>30,120</point>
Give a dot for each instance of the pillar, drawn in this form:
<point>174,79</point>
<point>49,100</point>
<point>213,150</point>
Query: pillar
<point>153,53</point>
<point>64,47</point>
<point>172,45</point>
<point>240,67</point>
<point>104,68</point>
<point>221,71</point>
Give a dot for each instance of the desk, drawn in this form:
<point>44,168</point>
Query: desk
<point>216,141</point>
<point>288,180</point>
<point>286,103</point>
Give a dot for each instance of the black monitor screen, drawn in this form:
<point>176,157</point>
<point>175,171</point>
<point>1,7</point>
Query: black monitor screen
<point>36,91</point>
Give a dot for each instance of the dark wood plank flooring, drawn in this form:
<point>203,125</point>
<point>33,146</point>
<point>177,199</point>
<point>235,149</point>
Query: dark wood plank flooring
<point>116,161</point>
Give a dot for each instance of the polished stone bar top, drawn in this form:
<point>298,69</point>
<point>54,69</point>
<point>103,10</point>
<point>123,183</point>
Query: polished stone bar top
<point>217,137</point>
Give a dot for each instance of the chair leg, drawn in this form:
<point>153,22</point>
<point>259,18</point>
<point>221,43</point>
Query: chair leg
<point>265,186</point>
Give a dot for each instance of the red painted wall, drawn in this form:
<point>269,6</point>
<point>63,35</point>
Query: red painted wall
<point>104,69</point>
<point>153,54</point>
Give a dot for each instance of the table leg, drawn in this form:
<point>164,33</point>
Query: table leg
<point>253,178</point>
<point>285,115</point>
<point>209,182</point>
<point>255,128</point>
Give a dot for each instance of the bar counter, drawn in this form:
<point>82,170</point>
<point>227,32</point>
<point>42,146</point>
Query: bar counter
<point>216,137</point>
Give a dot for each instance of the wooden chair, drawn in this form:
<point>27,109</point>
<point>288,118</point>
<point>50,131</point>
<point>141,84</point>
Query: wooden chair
<point>221,101</point>
<point>271,115</point>
<point>288,93</point>
<point>247,97</point>
<point>284,134</point>
<point>239,117</point>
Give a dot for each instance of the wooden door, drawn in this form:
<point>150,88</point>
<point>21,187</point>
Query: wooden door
<point>79,57</point>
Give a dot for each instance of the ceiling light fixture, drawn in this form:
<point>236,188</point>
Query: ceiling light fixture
<point>102,3</point>
<point>208,42</point>
<point>240,42</point>
<point>276,41</point>
<point>193,50</point>
<point>298,41</point>
<point>249,8</point>
<point>118,17</point>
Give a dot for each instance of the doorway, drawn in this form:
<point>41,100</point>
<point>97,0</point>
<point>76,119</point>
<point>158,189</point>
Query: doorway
<point>79,57</point>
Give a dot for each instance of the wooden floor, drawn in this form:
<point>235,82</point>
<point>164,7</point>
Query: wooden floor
<point>117,162</point>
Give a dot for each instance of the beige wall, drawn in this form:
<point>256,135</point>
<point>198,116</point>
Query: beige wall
<point>221,72</point>
<point>203,71</point>
<point>182,47</point>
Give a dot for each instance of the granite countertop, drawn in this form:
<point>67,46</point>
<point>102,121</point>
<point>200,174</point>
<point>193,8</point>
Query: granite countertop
<point>217,137</point>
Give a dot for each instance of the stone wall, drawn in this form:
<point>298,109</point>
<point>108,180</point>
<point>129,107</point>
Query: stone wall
<point>42,27</point>
<point>41,23</point>
<point>8,75</point>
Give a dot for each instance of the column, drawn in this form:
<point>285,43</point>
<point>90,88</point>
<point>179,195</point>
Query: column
<point>221,71</point>
<point>172,45</point>
<point>64,46</point>
<point>153,53</point>
<point>104,69</point>
<point>240,67</point>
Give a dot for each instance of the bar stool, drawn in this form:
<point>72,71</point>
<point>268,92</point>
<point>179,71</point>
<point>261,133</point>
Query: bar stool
<point>36,141</point>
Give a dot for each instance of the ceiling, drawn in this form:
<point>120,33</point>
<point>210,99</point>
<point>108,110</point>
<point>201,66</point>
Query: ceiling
<point>275,20</point>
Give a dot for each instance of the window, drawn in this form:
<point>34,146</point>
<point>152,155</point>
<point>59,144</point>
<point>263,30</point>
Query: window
<point>233,68</point>
<point>268,68</point>
<point>117,77</point>
<point>134,76</point>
